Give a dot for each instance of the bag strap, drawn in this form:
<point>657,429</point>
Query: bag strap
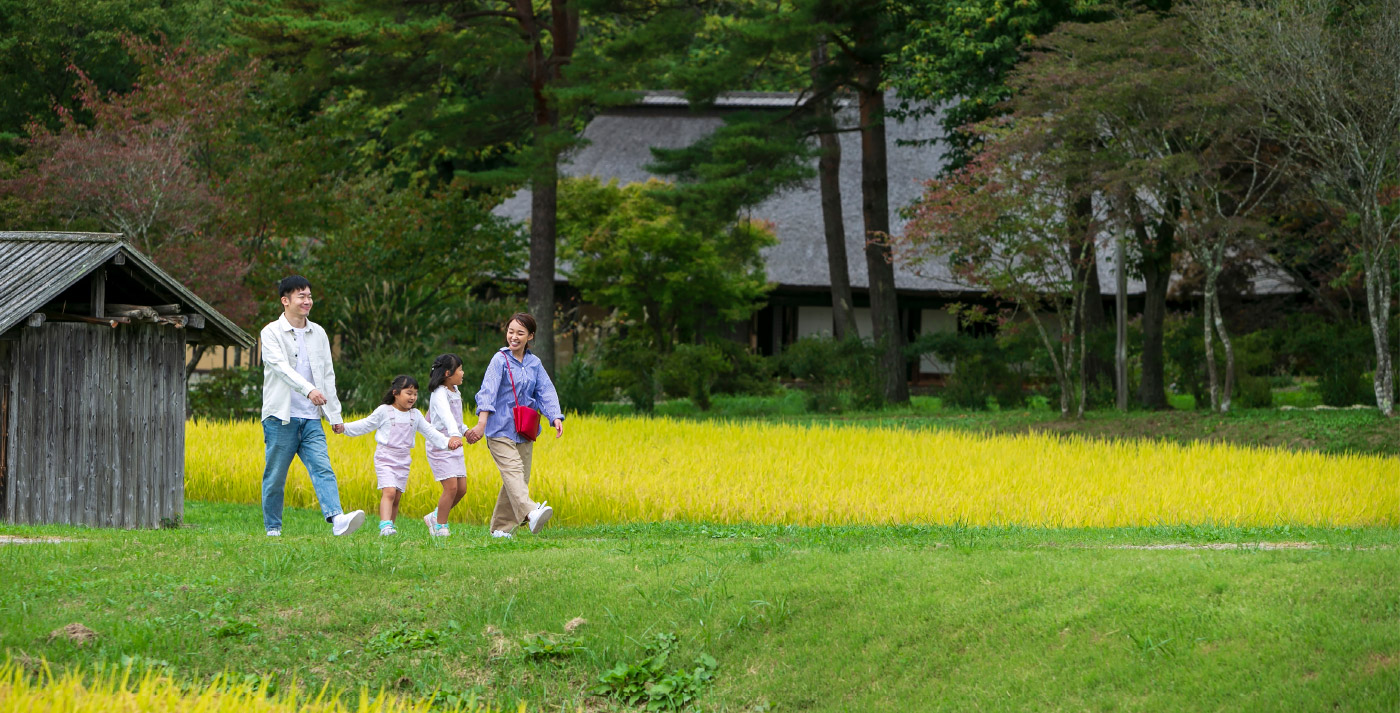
<point>506,357</point>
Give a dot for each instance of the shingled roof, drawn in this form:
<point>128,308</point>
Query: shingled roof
<point>35,268</point>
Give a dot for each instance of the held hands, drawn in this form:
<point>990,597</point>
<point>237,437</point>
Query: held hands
<point>475,433</point>
<point>316,397</point>
<point>558,427</point>
<point>454,443</point>
<point>338,428</point>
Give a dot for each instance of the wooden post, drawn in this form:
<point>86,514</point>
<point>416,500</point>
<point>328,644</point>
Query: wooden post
<point>99,292</point>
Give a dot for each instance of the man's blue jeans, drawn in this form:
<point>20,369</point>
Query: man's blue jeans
<point>301,437</point>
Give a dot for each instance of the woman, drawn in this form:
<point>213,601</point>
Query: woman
<point>515,377</point>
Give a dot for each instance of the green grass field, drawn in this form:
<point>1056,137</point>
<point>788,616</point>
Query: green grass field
<point>797,619</point>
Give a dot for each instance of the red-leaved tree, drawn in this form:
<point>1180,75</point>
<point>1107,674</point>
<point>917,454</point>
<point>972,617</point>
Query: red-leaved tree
<point>152,164</point>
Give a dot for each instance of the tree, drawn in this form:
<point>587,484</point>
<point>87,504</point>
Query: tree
<point>1000,223</point>
<point>148,166</point>
<point>41,39</point>
<point>489,91</point>
<point>1117,92</point>
<point>1329,75</point>
<point>628,249</point>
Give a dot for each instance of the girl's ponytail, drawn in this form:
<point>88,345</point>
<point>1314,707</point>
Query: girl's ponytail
<point>400,382</point>
<point>444,365</point>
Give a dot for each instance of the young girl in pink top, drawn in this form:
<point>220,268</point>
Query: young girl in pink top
<point>394,423</point>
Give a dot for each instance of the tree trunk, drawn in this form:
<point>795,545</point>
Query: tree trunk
<point>879,263</point>
<point>1208,333</point>
<point>1156,274</point>
<point>1229,354</point>
<point>540,291</point>
<point>1086,273</point>
<point>1378,310</point>
<point>545,70</point>
<point>198,353</point>
<point>843,317</point>
<point>1120,306</point>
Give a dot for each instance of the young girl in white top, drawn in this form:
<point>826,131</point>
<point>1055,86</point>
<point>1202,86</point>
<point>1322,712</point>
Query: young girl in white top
<point>393,424</point>
<point>445,415</point>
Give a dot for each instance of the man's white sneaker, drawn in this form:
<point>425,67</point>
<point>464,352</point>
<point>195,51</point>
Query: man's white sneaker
<point>274,533</point>
<point>539,516</point>
<point>431,520</point>
<point>502,534</point>
<point>347,523</point>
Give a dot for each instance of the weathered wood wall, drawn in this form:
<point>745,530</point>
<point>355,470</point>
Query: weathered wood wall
<point>97,426</point>
<point>4,422</point>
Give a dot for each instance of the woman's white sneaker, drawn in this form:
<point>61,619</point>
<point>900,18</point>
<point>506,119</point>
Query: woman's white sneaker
<point>502,534</point>
<point>347,523</point>
<point>539,516</point>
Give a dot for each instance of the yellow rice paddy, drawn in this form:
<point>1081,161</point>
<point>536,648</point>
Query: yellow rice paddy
<point>619,470</point>
<point>125,691</point>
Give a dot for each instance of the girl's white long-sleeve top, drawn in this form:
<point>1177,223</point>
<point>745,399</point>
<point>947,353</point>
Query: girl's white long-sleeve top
<point>440,413</point>
<point>383,419</point>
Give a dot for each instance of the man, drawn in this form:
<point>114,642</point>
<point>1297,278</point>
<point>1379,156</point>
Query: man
<point>298,389</point>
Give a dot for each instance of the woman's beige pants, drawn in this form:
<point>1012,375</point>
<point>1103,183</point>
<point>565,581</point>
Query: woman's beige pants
<point>513,503</point>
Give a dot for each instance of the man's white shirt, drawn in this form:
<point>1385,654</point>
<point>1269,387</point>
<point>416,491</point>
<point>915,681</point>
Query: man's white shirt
<point>295,363</point>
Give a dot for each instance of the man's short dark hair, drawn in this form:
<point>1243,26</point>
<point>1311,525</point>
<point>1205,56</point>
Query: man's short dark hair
<point>291,284</point>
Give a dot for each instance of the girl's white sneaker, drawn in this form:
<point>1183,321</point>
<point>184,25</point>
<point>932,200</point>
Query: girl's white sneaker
<point>386,531</point>
<point>440,531</point>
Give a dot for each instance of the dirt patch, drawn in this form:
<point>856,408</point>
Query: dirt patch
<point>75,632</point>
<point>574,623</point>
<point>1380,662</point>
<point>1223,546</point>
<point>16,540</point>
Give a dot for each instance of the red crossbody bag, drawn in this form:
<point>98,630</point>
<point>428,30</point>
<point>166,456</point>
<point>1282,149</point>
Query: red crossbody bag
<point>527,420</point>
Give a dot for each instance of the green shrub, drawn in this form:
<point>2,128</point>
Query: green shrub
<point>1253,392</point>
<point>226,394</point>
<point>983,368</point>
<point>692,370</point>
<point>749,374</point>
<point>579,386</point>
<point>839,375</point>
<point>629,365</point>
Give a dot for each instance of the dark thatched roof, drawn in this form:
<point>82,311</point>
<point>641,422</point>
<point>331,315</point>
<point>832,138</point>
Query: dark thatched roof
<point>618,146</point>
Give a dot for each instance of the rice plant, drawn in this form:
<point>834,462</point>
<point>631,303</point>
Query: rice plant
<point>138,691</point>
<point>624,469</point>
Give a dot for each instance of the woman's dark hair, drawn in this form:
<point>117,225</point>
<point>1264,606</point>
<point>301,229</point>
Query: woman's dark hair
<point>291,284</point>
<point>525,321</point>
<point>400,382</point>
<point>443,366</point>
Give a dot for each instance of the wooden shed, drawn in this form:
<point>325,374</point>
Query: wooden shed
<point>92,381</point>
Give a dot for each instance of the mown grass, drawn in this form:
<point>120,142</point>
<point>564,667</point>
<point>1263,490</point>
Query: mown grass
<point>863,618</point>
